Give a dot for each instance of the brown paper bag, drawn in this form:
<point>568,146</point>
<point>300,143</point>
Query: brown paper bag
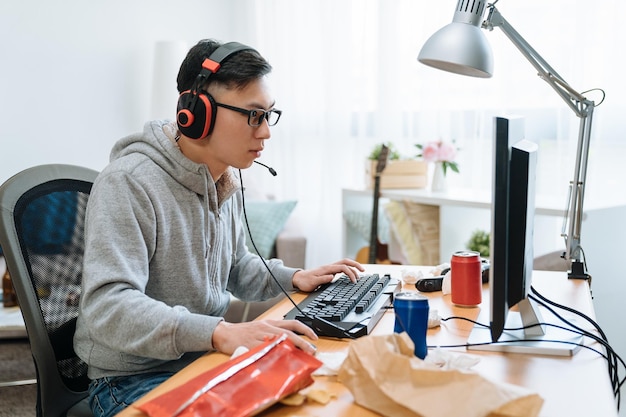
<point>384,375</point>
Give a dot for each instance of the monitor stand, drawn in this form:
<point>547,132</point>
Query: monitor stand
<point>551,341</point>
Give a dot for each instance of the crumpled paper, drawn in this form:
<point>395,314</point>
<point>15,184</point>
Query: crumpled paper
<point>383,375</point>
<point>332,362</point>
<point>410,276</point>
<point>446,284</point>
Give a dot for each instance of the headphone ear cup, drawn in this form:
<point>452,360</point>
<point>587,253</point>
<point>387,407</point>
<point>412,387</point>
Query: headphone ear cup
<point>195,114</point>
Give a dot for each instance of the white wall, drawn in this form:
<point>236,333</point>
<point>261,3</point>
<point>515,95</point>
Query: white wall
<point>77,75</point>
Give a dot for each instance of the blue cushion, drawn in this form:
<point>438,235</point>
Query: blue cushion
<point>47,223</point>
<point>266,219</point>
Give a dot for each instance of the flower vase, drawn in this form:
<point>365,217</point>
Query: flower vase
<point>439,178</point>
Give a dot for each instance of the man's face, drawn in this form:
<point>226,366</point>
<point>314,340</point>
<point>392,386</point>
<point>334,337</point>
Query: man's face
<point>234,142</point>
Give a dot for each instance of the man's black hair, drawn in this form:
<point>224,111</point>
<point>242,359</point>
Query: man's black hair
<point>236,72</point>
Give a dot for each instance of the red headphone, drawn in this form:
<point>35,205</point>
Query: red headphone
<point>196,109</point>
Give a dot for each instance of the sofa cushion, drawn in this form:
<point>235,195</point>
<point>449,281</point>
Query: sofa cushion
<point>266,219</point>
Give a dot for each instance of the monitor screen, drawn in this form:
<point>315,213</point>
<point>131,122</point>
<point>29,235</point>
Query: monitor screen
<point>507,131</point>
<point>512,223</point>
<point>514,167</point>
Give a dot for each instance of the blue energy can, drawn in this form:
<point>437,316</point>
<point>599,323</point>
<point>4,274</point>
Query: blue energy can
<point>411,311</point>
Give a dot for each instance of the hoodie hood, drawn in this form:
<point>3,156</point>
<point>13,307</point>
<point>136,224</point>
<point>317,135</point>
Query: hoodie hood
<point>157,143</point>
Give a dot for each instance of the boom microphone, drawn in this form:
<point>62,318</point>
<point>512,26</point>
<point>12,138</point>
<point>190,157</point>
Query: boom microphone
<point>270,169</point>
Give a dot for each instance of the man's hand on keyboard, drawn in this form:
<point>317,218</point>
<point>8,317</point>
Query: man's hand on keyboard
<point>309,279</point>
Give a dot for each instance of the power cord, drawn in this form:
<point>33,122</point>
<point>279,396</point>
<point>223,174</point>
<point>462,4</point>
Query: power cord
<point>612,358</point>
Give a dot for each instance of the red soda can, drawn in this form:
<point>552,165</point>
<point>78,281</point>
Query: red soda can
<point>466,278</point>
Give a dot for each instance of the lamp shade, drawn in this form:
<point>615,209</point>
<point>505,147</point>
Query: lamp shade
<point>460,47</point>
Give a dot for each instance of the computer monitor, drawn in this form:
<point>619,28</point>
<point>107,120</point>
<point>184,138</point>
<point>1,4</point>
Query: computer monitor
<point>516,324</point>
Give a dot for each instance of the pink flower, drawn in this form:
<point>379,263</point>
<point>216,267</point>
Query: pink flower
<point>447,152</point>
<point>438,151</point>
<point>430,153</point>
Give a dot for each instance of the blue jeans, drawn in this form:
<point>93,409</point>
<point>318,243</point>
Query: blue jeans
<point>110,395</point>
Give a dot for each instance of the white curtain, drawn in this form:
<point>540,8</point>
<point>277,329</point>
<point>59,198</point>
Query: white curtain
<point>346,76</point>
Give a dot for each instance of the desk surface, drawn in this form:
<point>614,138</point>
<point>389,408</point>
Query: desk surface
<point>11,323</point>
<point>573,386</point>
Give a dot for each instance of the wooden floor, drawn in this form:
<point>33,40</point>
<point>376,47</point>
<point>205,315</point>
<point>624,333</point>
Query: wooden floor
<point>18,401</point>
<point>16,364</point>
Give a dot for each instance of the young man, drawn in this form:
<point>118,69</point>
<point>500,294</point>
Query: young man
<point>164,238</point>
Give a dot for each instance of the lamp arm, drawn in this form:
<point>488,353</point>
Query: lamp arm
<point>573,99</point>
<point>583,108</point>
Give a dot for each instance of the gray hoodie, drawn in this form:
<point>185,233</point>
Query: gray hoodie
<point>164,245</point>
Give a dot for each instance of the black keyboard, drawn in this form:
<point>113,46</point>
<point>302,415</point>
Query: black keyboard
<point>345,309</point>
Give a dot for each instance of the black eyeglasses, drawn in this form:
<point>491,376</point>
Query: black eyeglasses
<point>256,116</point>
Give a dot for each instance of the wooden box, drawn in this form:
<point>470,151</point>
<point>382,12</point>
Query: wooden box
<point>399,173</point>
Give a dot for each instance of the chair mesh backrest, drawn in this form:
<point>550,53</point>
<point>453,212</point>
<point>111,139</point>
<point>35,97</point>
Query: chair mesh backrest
<point>50,224</point>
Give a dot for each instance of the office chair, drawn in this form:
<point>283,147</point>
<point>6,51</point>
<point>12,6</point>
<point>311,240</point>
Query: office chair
<point>42,213</point>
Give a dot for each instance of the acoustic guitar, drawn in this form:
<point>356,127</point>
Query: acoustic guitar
<point>376,252</point>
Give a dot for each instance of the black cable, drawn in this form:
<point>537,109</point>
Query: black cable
<point>612,358</point>
<point>565,342</point>
<point>579,332</point>
<point>245,216</point>
<point>316,322</point>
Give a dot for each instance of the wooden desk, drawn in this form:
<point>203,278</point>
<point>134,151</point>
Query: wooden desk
<point>576,386</point>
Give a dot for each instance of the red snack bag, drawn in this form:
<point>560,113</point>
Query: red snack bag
<point>242,386</point>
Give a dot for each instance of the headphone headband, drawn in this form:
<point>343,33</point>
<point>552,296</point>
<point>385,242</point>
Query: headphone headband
<point>213,63</point>
<point>223,52</point>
